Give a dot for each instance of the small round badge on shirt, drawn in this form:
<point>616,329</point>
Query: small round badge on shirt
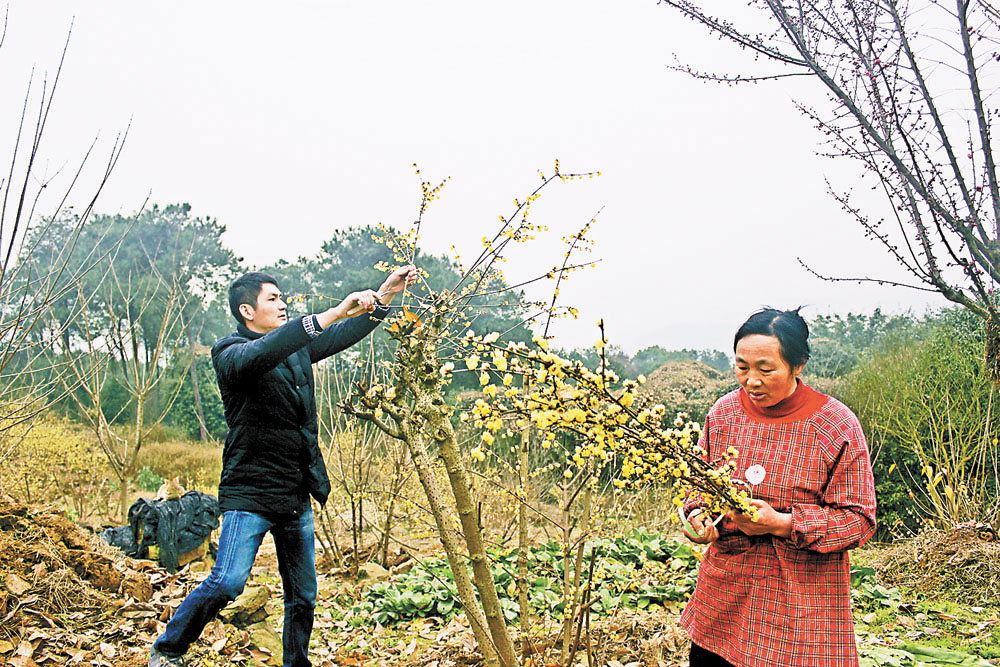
<point>755,474</point>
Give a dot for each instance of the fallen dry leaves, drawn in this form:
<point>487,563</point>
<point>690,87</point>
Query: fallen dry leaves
<point>67,599</point>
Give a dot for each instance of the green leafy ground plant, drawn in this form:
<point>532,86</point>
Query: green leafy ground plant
<point>637,570</point>
<point>897,627</point>
<point>643,570</point>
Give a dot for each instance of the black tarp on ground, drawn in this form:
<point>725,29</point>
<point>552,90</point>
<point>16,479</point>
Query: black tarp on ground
<point>176,526</point>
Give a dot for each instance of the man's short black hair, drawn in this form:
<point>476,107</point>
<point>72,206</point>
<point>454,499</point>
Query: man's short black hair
<point>245,289</point>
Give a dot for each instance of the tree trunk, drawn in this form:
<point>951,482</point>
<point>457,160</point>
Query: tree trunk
<point>578,568</point>
<point>443,432</point>
<point>447,534</point>
<point>384,550</point>
<point>131,455</point>
<point>398,480</point>
<point>123,496</point>
<point>329,545</point>
<point>66,339</point>
<point>522,545</point>
<point>388,525</point>
<point>568,594</point>
<point>354,531</point>
<point>195,391</point>
<point>361,527</point>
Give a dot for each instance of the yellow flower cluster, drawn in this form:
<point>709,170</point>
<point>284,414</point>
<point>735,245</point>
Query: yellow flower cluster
<point>569,177</point>
<point>402,246</point>
<point>429,192</point>
<point>615,425</point>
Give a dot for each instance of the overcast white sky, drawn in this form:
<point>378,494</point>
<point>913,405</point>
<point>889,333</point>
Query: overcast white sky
<point>288,120</point>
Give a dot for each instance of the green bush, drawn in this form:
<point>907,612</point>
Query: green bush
<point>927,408</point>
<point>147,480</point>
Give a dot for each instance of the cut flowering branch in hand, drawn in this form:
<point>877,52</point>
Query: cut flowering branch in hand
<point>613,426</point>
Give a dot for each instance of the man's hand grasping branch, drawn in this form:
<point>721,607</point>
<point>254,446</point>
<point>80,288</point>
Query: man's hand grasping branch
<point>364,301</point>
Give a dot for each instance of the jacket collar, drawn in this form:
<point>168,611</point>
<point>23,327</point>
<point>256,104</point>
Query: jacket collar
<point>246,333</point>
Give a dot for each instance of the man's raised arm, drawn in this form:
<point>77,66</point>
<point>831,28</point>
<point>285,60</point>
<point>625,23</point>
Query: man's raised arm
<point>341,326</point>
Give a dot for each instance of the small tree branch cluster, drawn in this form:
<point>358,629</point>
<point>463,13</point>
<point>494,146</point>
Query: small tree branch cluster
<point>910,89</point>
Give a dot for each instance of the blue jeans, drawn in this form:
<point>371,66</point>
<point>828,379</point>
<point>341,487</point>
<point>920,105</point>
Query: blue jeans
<point>242,533</point>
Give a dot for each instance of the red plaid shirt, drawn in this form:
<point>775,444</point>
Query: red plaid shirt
<point>767,601</point>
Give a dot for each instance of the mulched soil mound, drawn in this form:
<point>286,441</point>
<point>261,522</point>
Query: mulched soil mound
<point>963,564</point>
<point>68,598</point>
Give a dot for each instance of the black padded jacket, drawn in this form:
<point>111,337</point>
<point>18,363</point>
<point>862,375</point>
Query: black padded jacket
<point>271,462</point>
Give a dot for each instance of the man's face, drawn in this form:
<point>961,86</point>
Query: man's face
<point>269,313</point>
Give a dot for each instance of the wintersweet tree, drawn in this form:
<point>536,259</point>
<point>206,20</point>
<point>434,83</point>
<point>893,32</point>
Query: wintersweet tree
<point>910,90</point>
<point>618,433</point>
<point>520,387</point>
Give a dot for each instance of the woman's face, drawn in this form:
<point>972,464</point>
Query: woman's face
<point>763,372</point>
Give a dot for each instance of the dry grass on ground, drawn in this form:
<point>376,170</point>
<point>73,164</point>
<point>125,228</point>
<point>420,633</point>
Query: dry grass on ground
<point>937,561</point>
<point>195,465</point>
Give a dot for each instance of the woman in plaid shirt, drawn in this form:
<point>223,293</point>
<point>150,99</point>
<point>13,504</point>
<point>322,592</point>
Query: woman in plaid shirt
<point>776,592</point>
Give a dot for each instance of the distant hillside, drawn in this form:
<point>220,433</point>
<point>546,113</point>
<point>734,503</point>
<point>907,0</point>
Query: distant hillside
<point>688,386</point>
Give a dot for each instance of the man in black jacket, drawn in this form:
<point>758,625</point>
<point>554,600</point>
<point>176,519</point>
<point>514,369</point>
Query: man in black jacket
<point>271,463</point>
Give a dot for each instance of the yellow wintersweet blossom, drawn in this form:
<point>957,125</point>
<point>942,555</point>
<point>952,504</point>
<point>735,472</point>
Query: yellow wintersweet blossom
<point>606,419</point>
<point>472,361</point>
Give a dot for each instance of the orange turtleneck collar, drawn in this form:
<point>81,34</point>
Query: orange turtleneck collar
<point>802,404</point>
